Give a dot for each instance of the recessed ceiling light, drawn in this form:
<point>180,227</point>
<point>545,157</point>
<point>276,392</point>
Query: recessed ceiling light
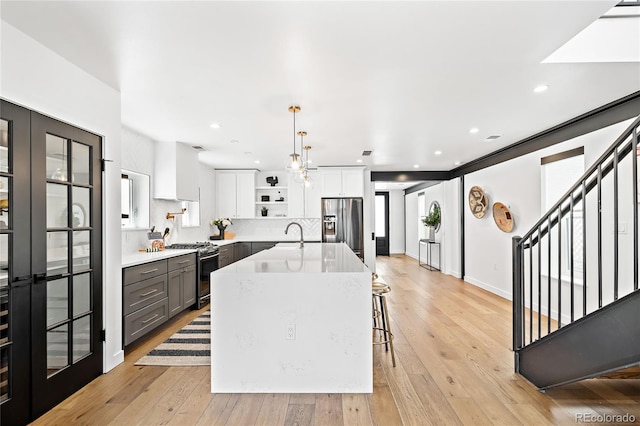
<point>474,130</point>
<point>541,88</point>
<point>359,160</point>
<point>438,152</point>
<point>456,163</point>
<point>415,166</point>
<point>215,125</point>
<point>234,141</point>
<point>257,161</point>
<point>309,161</point>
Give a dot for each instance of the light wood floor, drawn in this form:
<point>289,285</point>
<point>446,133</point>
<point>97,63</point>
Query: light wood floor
<point>454,366</point>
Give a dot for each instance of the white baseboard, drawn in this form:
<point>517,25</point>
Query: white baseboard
<point>488,287</point>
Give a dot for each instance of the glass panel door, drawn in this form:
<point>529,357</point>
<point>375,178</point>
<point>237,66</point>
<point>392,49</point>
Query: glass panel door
<point>66,306</point>
<point>15,264</point>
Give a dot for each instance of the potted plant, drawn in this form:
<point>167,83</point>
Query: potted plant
<point>221,223</point>
<point>432,220</point>
<point>264,211</point>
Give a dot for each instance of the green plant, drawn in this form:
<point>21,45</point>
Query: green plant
<point>433,218</point>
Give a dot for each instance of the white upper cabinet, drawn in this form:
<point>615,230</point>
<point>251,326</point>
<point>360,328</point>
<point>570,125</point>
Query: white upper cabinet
<point>235,192</point>
<point>176,172</point>
<point>305,201</point>
<point>342,181</point>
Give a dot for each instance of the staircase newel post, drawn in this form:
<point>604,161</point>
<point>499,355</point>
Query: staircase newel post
<point>518,303</point>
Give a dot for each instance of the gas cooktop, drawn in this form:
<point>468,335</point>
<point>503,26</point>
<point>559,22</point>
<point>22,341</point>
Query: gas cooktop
<point>203,247</point>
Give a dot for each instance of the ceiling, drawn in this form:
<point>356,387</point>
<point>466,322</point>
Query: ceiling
<point>402,79</point>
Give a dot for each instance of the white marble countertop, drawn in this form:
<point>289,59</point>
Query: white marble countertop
<point>288,257</point>
<point>133,259</point>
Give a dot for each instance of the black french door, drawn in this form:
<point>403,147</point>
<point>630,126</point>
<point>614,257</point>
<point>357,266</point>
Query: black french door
<point>55,308</point>
<point>382,223</point>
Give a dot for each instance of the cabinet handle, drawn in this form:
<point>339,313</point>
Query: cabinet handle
<point>150,319</point>
<point>149,292</point>
<point>184,261</point>
<point>148,272</point>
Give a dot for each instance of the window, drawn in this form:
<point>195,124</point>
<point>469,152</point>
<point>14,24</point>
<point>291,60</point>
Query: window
<point>134,200</point>
<point>559,172</point>
<point>191,216</point>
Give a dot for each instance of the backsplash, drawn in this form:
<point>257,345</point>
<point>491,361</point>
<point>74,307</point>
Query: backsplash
<point>274,228</point>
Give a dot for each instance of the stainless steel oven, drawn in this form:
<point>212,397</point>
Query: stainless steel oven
<point>207,257</point>
<point>207,263</point>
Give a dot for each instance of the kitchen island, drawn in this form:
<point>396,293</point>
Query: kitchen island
<point>292,320</point>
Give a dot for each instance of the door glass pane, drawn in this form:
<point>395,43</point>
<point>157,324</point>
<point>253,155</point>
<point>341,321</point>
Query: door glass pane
<point>4,260</point>
<point>4,146</point>
<point>57,301</point>
<point>57,153</point>
<point>4,316</point>
<point>80,164</point>
<point>4,203</point>
<point>81,294</point>
<point>57,200</point>
<point>81,337</point>
<point>57,253</point>
<point>381,214</point>
<point>81,207</point>
<point>81,250</point>
<point>57,349</point>
<point>4,374</point>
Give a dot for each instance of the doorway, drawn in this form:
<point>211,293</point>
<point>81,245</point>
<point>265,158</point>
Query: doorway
<point>382,223</point>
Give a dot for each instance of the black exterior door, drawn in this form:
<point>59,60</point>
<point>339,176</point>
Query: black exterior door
<point>50,262</point>
<point>66,296</point>
<point>382,223</point>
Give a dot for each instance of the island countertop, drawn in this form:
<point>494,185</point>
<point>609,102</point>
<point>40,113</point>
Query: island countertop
<point>291,320</point>
<point>289,257</point>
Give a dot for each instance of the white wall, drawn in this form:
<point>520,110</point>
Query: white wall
<point>39,79</point>
<point>138,156</point>
<point>515,183</point>
<point>411,224</point>
<point>396,222</point>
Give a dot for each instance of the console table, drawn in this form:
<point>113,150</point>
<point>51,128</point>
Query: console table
<point>430,245</point>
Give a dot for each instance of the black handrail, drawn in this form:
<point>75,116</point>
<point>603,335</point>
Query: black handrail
<point>524,285</point>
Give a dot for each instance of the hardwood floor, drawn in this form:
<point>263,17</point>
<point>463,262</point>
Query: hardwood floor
<point>454,366</point>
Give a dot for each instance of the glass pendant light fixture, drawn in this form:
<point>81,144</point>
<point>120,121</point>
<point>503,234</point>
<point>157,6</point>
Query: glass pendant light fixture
<point>299,177</point>
<point>306,180</point>
<point>294,161</point>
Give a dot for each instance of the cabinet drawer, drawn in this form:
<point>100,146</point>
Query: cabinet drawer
<point>142,294</point>
<point>182,261</point>
<point>143,321</point>
<point>144,271</point>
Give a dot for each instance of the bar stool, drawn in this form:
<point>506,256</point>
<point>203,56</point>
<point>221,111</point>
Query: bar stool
<point>380,316</point>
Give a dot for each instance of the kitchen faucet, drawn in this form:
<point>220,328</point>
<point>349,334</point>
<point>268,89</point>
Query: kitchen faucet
<point>301,235</point>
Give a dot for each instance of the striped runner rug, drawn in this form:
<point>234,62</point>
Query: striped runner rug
<point>189,346</point>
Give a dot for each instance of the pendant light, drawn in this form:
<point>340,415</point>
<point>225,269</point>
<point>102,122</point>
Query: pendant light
<point>303,165</point>
<point>306,180</point>
<point>294,161</point>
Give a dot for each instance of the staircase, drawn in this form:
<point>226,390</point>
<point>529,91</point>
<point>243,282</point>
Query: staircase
<point>576,304</point>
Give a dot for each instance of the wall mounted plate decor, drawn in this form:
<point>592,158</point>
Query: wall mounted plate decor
<point>503,217</point>
<point>477,202</point>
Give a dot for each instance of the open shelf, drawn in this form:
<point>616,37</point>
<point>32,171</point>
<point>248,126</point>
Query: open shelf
<point>271,202</point>
<point>272,188</point>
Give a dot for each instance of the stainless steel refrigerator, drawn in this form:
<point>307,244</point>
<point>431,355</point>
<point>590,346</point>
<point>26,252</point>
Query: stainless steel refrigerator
<point>342,222</point>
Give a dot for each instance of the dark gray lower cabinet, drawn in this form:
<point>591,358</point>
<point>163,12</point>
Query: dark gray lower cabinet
<point>241,250</point>
<point>182,283</point>
<point>226,255</point>
<point>156,291</point>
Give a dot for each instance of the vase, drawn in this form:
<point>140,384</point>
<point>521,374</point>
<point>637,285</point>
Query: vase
<point>431,233</point>
<point>221,230</point>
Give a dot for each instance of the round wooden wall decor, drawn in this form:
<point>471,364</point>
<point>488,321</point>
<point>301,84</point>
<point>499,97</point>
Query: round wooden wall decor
<point>477,202</point>
<point>503,217</point>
